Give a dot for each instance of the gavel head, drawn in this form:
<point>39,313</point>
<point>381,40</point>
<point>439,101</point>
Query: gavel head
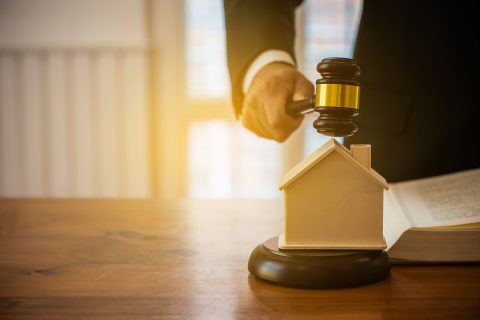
<point>337,97</point>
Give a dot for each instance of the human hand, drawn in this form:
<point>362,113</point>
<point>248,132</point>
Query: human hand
<point>273,87</point>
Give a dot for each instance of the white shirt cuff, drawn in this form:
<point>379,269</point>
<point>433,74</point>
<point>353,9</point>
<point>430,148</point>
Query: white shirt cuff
<point>262,60</point>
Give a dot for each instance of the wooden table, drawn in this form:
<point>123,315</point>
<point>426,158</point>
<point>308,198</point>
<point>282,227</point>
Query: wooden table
<point>135,259</point>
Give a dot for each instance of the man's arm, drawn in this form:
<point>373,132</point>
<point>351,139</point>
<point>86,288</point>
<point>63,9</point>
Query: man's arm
<point>255,27</point>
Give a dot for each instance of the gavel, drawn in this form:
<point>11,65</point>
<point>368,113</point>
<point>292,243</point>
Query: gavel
<point>336,99</point>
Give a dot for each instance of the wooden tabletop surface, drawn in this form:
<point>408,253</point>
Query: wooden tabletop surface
<point>145,259</point>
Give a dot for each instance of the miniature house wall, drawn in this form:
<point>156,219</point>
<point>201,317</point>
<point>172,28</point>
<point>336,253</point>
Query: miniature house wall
<point>333,200</point>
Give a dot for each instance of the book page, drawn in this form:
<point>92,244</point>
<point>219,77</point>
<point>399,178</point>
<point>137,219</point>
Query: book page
<point>449,199</point>
<point>394,221</point>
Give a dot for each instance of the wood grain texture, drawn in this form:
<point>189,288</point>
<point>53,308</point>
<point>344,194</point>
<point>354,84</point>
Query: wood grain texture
<point>135,259</point>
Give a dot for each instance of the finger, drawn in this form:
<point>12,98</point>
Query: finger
<point>280,123</point>
<point>254,113</point>
<point>250,121</point>
<point>303,88</point>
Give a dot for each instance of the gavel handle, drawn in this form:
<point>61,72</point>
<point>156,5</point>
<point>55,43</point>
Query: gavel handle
<point>296,108</point>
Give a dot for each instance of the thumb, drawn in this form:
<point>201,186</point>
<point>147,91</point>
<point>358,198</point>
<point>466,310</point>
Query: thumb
<point>303,88</point>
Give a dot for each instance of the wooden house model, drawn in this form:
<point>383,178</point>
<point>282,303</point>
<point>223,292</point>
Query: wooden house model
<point>333,199</point>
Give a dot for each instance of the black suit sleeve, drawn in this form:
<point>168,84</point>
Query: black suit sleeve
<point>253,26</point>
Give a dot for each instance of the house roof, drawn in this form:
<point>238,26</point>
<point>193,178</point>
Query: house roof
<point>311,160</point>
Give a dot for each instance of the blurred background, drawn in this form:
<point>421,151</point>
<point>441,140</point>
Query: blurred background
<point>130,98</point>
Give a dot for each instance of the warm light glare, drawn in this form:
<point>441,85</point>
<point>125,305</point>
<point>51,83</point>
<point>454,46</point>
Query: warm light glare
<point>226,160</point>
<point>94,104</point>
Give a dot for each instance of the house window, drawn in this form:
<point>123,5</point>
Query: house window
<point>207,74</point>
<point>223,158</point>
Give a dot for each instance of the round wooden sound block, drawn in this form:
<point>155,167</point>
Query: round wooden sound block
<point>319,269</point>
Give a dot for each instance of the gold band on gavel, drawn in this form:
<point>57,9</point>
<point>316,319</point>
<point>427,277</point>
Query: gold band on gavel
<point>337,95</point>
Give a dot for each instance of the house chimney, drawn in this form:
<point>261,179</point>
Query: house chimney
<point>361,153</point>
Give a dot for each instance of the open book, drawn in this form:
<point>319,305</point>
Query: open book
<point>434,219</point>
